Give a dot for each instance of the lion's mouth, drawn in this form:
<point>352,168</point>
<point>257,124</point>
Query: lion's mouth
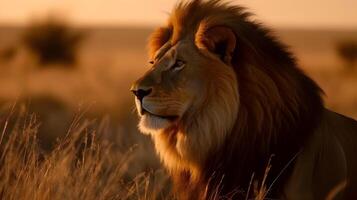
<point>167,117</point>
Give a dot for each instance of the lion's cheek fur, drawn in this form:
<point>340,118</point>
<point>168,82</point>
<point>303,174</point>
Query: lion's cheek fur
<point>204,130</point>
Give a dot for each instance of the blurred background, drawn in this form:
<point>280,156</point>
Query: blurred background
<point>59,58</point>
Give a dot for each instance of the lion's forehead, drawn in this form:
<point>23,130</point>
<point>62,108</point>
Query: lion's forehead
<point>183,47</point>
<point>160,71</point>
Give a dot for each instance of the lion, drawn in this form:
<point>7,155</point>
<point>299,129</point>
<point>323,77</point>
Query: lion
<point>224,101</point>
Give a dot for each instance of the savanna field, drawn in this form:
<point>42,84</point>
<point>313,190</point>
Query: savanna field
<point>68,123</point>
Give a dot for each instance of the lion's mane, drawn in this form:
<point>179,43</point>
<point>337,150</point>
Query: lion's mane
<point>278,107</point>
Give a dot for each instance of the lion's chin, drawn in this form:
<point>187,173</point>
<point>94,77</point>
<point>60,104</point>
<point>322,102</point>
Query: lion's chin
<point>150,124</point>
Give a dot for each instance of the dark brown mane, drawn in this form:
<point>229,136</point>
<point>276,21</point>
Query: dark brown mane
<point>279,105</point>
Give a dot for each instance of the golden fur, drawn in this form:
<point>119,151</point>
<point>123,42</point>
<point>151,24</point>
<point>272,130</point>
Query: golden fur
<point>222,96</point>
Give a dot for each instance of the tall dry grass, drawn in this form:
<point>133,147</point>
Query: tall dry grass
<point>83,165</point>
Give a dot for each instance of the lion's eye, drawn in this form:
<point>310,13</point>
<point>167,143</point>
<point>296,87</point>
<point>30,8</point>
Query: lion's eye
<point>178,65</point>
<point>151,62</point>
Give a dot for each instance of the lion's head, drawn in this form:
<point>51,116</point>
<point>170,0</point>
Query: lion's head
<point>191,86</point>
<point>220,86</point>
<point>182,83</point>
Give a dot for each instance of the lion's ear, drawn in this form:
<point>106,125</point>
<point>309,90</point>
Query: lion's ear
<point>219,40</point>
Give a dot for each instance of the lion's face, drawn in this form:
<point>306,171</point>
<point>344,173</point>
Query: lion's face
<point>190,95</point>
<point>182,79</point>
<point>175,84</point>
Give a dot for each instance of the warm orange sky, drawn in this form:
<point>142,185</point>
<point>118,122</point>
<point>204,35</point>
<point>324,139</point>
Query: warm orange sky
<point>280,13</point>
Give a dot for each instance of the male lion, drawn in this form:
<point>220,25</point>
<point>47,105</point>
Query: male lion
<point>223,96</point>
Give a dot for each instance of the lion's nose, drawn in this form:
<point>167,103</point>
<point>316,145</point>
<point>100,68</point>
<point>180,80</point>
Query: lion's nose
<point>141,93</point>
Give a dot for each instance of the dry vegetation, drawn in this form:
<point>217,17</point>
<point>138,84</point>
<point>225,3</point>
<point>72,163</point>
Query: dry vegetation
<point>82,165</point>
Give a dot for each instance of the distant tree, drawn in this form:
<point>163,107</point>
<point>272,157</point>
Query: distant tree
<point>8,53</point>
<point>52,41</point>
<point>347,50</point>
